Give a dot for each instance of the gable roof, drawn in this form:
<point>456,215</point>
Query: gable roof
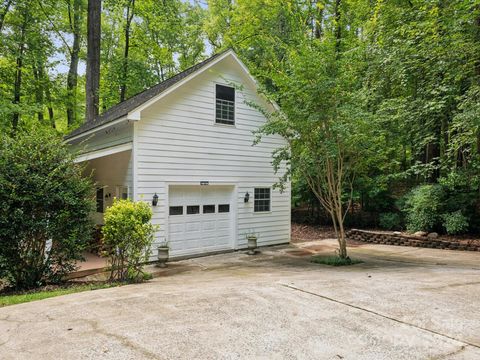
<point>126,106</point>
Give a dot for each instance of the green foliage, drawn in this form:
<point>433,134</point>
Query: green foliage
<point>423,207</point>
<point>334,260</point>
<point>462,191</point>
<point>43,196</point>
<point>37,41</point>
<point>455,223</point>
<point>390,221</point>
<point>128,234</point>
<point>391,87</point>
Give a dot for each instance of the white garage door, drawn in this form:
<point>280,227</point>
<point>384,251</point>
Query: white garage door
<point>200,219</point>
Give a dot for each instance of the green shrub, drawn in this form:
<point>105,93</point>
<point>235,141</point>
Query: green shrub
<point>128,234</point>
<point>43,196</point>
<point>391,221</point>
<point>423,207</point>
<point>334,260</point>
<point>455,223</point>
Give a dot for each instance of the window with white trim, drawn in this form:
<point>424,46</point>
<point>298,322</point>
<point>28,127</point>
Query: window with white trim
<point>224,105</point>
<point>224,208</point>
<point>176,210</point>
<point>208,209</point>
<point>261,200</point>
<point>193,209</point>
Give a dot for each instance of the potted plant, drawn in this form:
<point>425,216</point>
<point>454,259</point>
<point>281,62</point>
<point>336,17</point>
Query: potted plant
<point>163,251</point>
<point>252,243</point>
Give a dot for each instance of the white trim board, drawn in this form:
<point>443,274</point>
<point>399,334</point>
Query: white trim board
<point>104,152</point>
<point>135,114</point>
<point>98,128</point>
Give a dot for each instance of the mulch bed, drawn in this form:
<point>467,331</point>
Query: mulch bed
<point>304,233</point>
<point>50,287</point>
<point>9,291</point>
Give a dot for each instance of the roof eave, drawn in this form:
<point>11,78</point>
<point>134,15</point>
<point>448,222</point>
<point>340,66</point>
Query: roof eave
<point>135,113</point>
<point>91,131</point>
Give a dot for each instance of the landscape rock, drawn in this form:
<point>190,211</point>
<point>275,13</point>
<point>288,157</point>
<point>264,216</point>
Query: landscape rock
<point>421,233</point>
<point>397,233</point>
<point>432,235</point>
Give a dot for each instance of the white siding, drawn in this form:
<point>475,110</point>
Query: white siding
<point>102,139</point>
<point>177,142</point>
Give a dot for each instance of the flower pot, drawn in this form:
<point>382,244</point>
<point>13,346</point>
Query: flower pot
<point>162,256</point>
<point>252,245</point>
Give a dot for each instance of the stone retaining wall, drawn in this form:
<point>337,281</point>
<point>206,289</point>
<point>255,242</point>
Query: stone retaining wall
<point>407,240</point>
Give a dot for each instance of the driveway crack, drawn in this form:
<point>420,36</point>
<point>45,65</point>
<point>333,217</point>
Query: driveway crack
<point>122,339</point>
<point>382,315</point>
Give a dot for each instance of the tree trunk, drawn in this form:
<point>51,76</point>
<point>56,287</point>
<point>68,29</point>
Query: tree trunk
<point>74,56</point>
<point>49,106</point>
<point>338,27</point>
<point>130,13</point>
<point>38,76</point>
<point>4,13</point>
<point>48,96</point>
<point>92,86</point>
<point>318,21</point>
<point>338,169</point>
<point>477,66</point>
<point>18,69</point>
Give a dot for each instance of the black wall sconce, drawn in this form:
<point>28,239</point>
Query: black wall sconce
<point>247,197</point>
<point>155,200</point>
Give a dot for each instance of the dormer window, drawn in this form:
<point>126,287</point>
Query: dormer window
<point>224,105</point>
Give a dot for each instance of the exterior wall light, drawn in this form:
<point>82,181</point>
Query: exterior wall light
<point>155,200</point>
<point>247,197</point>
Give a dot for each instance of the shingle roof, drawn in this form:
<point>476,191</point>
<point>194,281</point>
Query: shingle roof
<point>123,108</point>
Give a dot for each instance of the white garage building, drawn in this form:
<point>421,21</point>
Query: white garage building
<point>189,141</point>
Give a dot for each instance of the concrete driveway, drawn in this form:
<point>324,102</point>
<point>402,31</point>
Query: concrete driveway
<point>401,303</point>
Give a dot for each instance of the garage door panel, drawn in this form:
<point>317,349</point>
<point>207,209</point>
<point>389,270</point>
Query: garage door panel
<point>208,225</point>
<point>193,226</point>
<point>197,233</point>
<point>223,224</point>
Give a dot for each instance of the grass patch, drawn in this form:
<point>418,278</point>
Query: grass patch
<point>13,299</point>
<point>334,260</point>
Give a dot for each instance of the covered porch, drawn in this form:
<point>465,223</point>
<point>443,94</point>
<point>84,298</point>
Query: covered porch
<point>111,171</point>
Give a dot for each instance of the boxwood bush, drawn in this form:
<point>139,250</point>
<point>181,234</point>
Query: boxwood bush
<point>128,236</point>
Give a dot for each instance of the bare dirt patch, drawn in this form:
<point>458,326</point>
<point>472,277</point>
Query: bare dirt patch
<point>303,232</point>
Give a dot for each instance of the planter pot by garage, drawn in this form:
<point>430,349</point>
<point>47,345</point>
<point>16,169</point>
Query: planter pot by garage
<point>252,244</point>
<point>162,256</point>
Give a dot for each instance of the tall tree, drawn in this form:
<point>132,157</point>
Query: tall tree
<point>3,12</point>
<point>92,86</point>
<point>323,116</point>
<point>477,63</point>
<point>19,65</point>
<point>128,24</point>
<point>75,18</point>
